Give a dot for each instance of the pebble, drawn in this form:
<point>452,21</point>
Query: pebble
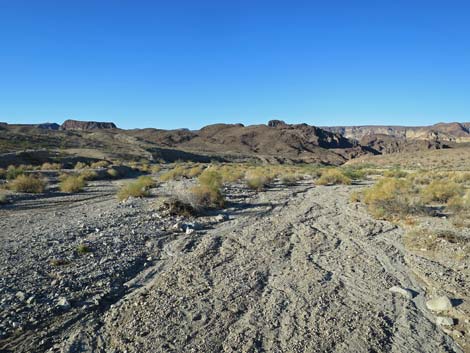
<point>63,303</point>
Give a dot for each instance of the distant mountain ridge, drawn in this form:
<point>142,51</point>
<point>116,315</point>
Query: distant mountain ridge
<point>443,132</point>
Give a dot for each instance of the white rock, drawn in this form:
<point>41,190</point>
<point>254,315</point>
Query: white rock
<point>444,321</point>
<point>439,304</point>
<point>189,231</point>
<point>63,303</point>
<point>20,295</point>
<point>402,291</point>
<point>221,217</point>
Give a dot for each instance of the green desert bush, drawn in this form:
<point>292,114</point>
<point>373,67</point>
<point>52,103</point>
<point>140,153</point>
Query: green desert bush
<point>194,171</point>
<point>83,249</point>
<point>113,173</point>
<point>441,191</point>
<point>173,174</point>
<point>211,178</point>
<point>146,181</point>
<point>3,198</point>
<point>51,166</point>
<point>289,178</point>
<point>88,174</point>
<point>72,184</point>
<point>232,173</point>
<point>392,198</point>
<point>13,172</point>
<point>204,196</point>
<point>257,179</point>
<point>80,165</point>
<point>27,184</point>
<point>333,176</point>
<point>395,173</point>
<point>138,188</point>
<point>354,173</point>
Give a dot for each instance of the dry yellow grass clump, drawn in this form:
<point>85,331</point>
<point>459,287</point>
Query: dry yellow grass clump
<point>72,184</point>
<point>333,176</point>
<point>28,184</point>
<point>441,191</point>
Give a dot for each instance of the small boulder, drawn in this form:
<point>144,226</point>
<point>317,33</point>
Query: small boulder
<point>63,303</point>
<point>408,294</point>
<point>444,321</point>
<point>221,217</point>
<point>439,304</point>
<point>20,295</point>
<point>189,231</point>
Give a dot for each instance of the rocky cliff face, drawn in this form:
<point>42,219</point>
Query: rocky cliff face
<point>443,132</point>
<point>86,125</point>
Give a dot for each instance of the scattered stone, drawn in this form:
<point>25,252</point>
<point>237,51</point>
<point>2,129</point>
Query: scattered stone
<point>189,231</point>
<point>444,321</point>
<point>31,300</point>
<point>402,291</point>
<point>20,295</point>
<point>439,304</point>
<point>221,217</point>
<point>63,303</point>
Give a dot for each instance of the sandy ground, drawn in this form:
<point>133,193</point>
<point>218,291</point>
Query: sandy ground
<point>298,269</point>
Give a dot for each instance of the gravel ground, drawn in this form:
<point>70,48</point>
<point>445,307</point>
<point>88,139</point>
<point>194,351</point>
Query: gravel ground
<point>297,269</point>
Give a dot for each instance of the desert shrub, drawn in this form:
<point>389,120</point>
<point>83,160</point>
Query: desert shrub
<point>204,196</point>
<point>99,164</point>
<point>83,249</point>
<point>113,173</point>
<point>333,176</point>
<point>461,177</point>
<point>155,168</point>
<point>194,171</point>
<point>13,172</point>
<point>354,173</point>
<point>28,184</point>
<point>232,174</point>
<point>429,239</point>
<point>355,196</point>
<point>173,174</point>
<point>51,166</point>
<point>392,198</point>
<point>80,165</point>
<point>176,207</point>
<point>3,173</point>
<point>289,179</point>
<point>72,184</point>
<point>256,179</point>
<point>460,202</point>
<point>395,173</point>
<point>210,178</point>
<point>88,174</point>
<point>3,198</point>
<point>441,191</point>
<point>146,181</point>
<point>132,189</point>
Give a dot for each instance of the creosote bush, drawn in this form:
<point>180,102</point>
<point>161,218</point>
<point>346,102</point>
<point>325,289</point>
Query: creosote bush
<point>83,249</point>
<point>27,184</point>
<point>88,174</point>
<point>51,166</point>
<point>138,188</point>
<point>80,165</point>
<point>112,173</point>
<point>13,172</point>
<point>333,176</point>
<point>72,184</point>
<point>392,198</point>
<point>441,191</point>
<point>257,179</point>
<point>3,198</point>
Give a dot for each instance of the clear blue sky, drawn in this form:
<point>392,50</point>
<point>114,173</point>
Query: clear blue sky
<point>170,64</point>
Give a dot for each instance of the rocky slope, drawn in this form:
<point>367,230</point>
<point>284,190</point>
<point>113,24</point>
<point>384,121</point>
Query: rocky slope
<point>444,132</point>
